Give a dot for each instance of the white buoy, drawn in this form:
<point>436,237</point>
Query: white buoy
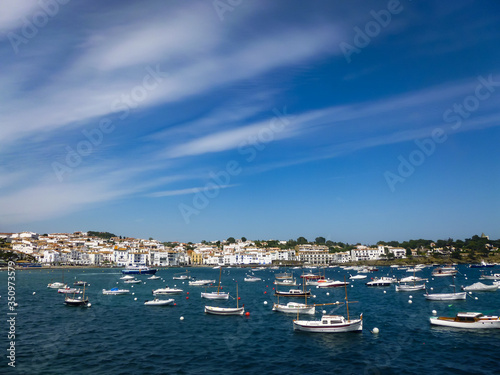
<point>470,293</point>
<point>411,296</point>
<point>327,293</point>
<point>135,299</point>
<point>434,312</point>
<point>410,301</point>
<point>314,296</point>
<point>133,294</point>
<point>34,293</point>
<point>432,288</point>
<point>181,318</point>
<point>317,286</point>
<point>465,278</point>
<point>144,283</point>
<point>352,286</point>
<point>265,302</point>
<point>117,282</point>
<point>475,297</point>
<point>324,311</point>
<point>385,291</point>
<point>375,330</point>
<point>89,304</point>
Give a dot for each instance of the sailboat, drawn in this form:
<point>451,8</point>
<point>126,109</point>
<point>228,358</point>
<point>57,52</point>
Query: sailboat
<point>331,323</point>
<point>218,294</point>
<point>182,276</point>
<point>446,296</point>
<point>226,310</point>
<point>80,301</point>
<point>58,284</point>
<point>408,287</point>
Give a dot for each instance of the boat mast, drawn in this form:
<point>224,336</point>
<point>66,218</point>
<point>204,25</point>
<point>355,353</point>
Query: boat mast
<point>237,295</point>
<point>220,274</point>
<point>346,301</point>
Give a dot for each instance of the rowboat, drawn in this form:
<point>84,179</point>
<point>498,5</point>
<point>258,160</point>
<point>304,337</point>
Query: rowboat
<point>467,320</point>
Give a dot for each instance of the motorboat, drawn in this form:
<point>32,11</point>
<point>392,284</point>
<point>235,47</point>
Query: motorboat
<point>467,320</point>
<point>159,302</point>
<point>139,269</point>
<point>444,271</point>
<point>445,296</point>
<point>224,310</point>
<point>285,282</point>
<point>409,287</point>
<point>133,281</point>
<point>115,291</point>
<point>410,279</point>
<point>493,276</point>
<point>357,277</point>
<point>330,324</point>
<point>293,293</point>
<point>332,284</point>
<point>215,295</point>
<point>154,277</point>
<point>57,285</point>
<point>182,276</point>
<point>483,264</point>
<point>381,281</point>
<point>201,282</point>
<point>295,308</point>
<point>81,283</point>
<point>252,279</point>
<point>127,277</point>
<point>167,290</point>
<point>480,287</point>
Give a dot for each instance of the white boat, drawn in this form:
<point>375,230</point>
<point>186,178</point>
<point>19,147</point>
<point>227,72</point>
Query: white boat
<point>444,271</point>
<point>68,290</point>
<point>330,324</point>
<point>159,302</point>
<point>416,269</point>
<point>357,277</point>
<point>81,283</point>
<point>127,277</point>
<point>411,279</point>
<point>77,301</point>
<point>215,310</point>
<point>252,279</point>
<point>115,291</point>
<point>289,282</point>
<point>167,290</point>
<point>182,276</point>
<point>467,320</point>
<point>201,282</point>
<point>154,277</point>
<point>381,281</point>
<point>493,276</point>
<point>332,284</point>
<point>284,276</point>
<point>134,281</point>
<point>218,294</point>
<point>57,285</point>
<point>409,287</point>
<point>480,287</point>
<point>446,296</point>
<point>138,269</point>
<point>293,293</point>
<point>295,308</point>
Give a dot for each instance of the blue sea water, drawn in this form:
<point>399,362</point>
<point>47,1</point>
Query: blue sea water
<point>120,335</point>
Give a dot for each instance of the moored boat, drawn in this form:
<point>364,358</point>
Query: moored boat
<point>467,320</point>
<point>295,308</point>
<point>444,271</point>
<point>140,269</point>
<point>409,287</point>
<point>224,310</point>
<point>115,291</point>
<point>330,324</point>
<point>57,285</point>
<point>381,281</point>
<point>68,290</point>
<point>201,282</point>
<point>293,293</point>
<point>446,296</point>
<point>133,281</point>
<point>480,287</point>
<point>159,302</point>
<point>252,279</point>
<point>167,290</point>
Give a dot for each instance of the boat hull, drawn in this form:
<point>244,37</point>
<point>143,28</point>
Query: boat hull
<point>446,296</point>
<point>316,326</point>
<point>481,324</point>
<point>77,302</point>
<point>149,271</point>
<point>167,291</point>
<point>294,308</point>
<point>215,295</point>
<point>409,288</point>
<point>157,302</point>
<point>224,310</point>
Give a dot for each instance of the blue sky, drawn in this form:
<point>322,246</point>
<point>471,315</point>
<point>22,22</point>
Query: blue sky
<point>199,120</point>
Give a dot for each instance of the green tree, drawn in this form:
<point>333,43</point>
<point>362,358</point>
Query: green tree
<point>231,240</point>
<point>301,240</point>
<point>320,240</point>
<point>243,239</point>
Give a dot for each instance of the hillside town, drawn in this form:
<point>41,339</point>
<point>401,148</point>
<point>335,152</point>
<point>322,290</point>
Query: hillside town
<point>91,249</point>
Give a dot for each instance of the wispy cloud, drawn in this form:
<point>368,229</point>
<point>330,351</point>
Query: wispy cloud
<point>194,190</point>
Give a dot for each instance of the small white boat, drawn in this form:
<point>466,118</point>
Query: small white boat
<point>201,282</point>
<point>252,279</point>
<point>57,285</point>
<point>127,277</point>
<point>295,308</point>
<point>357,277</point>
<point>224,310</point>
<point>493,276</point>
<point>330,324</point>
<point>381,281</point>
<point>159,302</point>
<point>444,271</point>
<point>134,281</point>
<point>81,283</point>
<point>115,291</point>
<point>215,295</point>
<point>167,290</point>
<point>283,276</point>
<point>467,320</point>
<point>293,293</point>
<point>331,284</point>
<point>480,287</point>
<point>181,276</point>
<point>409,287</point>
<point>154,277</point>
<point>289,282</point>
<point>445,296</point>
<point>411,279</point>
<point>69,290</point>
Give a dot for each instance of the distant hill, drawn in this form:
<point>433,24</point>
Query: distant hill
<point>105,235</point>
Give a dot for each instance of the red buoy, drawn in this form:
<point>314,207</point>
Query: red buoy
<point>239,298</point>
<point>175,304</point>
<point>187,293</point>
<point>187,297</point>
<point>265,292</point>
<point>247,314</point>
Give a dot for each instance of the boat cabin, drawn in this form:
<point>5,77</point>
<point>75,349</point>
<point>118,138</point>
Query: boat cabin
<point>332,319</point>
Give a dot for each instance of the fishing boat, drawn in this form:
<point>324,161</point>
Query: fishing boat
<point>480,287</point>
<point>133,281</point>
<point>201,282</point>
<point>444,271</point>
<point>467,320</point>
<point>167,290</point>
<point>331,323</point>
<point>80,301</point>
<point>293,293</point>
<point>252,279</point>
<point>68,290</point>
<point>218,294</point>
<point>283,276</point>
<point>215,310</point>
<point>159,302</point>
<point>115,291</point>
<point>381,281</point>
<point>139,269</point>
